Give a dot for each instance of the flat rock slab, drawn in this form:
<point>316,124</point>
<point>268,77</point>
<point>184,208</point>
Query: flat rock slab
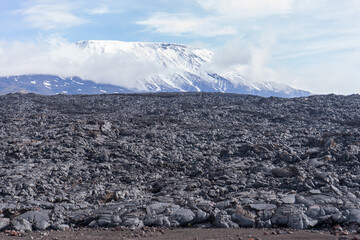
<point>263,206</point>
<point>4,223</point>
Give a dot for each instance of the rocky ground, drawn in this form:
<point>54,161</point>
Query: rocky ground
<point>179,160</point>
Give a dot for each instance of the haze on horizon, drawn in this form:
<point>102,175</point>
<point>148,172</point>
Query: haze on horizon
<point>310,45</point>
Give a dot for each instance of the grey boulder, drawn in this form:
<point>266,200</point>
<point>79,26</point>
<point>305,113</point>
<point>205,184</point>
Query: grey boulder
<point>38,219</point>
<point>354,216</point>
<point>183,216</point>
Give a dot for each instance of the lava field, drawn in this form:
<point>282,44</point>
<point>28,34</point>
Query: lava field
<point>178,159</point>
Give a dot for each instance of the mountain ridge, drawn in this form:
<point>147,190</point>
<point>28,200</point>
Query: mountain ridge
<point>178,68</point>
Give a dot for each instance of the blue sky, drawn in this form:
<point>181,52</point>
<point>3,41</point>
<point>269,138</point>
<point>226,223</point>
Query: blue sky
<point>313,45</point>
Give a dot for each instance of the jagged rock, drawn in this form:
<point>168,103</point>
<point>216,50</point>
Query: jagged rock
<point>41,225</point>
<point>280,172</point>
<point>201,216</point>
<point>354,216</point>
<point>158,208</point>
<point>224,221</point>
<point>313,211</point>
<point>315,191</point>
<point>288,216</point>
<point>206,206</point>
<point>131,221</point>
<point>20,224</point>
<point>289,199</point>
<point>157,221</point>
<point>309,222</point>
<point>307,201</point>
<point>243,218</point>
<point>60,227</point>
<point>106,220</point>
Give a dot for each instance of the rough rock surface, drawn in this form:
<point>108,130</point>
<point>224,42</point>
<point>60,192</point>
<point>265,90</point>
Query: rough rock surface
<point>178,159</point>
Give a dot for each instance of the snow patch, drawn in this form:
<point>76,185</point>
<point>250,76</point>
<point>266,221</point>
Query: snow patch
<point>80,83</point>
<point>47,84</point>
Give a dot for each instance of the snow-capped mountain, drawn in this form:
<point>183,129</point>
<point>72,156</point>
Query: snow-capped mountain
<point>177,68</point>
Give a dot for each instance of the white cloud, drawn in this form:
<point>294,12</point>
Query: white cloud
<point>102,9</point>
<point>320,47</point>
<point>51,14</point>
<point>234,52</point>
<point>58,57</point>
<point>185,23</point>
<point>248,58</point>
<point>248,8</point>
<point>221,17</point>
<point>337,74</point>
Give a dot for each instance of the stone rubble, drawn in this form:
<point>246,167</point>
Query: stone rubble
<point>178,160</point>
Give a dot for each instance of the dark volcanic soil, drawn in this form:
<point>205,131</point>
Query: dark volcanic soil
<point>179,159</point>
<point>182,234</point>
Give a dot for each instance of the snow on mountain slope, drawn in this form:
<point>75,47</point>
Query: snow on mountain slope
<point>179,68</point>
<point>182,69</point>
<point>172,56</point>
<point>176,61</point>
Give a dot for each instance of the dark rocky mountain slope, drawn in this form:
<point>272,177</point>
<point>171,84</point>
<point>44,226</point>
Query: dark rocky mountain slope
<point>179,159</point>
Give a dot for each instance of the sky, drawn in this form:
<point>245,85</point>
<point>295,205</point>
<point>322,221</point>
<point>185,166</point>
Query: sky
<point>310,45</point>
